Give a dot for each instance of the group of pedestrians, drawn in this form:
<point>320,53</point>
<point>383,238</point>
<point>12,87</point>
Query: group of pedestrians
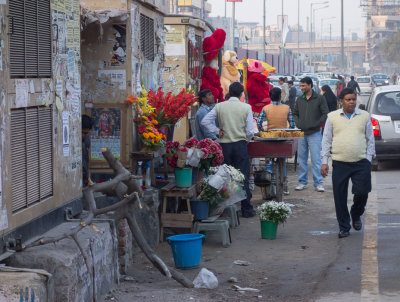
<point>347,138</point>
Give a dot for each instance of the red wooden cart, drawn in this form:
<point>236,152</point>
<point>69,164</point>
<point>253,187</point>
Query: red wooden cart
<point>276,149</point>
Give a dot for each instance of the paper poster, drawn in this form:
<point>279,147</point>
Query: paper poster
<point>106,132</point>
<point>77,9</point>
<point>21,93</point>
<point>76,103</point>
<point>119,47</point>
<point>3,219</point>
<point>68,7</point>
<point>70,33</point>
<point>77,35</point>
<point>65,134</point>
<point>71,63</point>
<point>174,43</point>
<point>116,76</point>
<point>59,86</point>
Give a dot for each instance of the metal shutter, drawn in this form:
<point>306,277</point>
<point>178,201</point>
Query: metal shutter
<point>147,37</point>
<point>30,38</point>
<point>31,156</point>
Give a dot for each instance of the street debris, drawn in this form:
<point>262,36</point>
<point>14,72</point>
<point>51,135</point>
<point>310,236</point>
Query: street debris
<point>233,280</point>
<point>127,278</point>
<point>205,279</point>
<point>242,262</point>
<point>245,289</point>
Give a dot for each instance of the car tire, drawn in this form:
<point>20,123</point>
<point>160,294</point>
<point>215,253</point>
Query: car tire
<point>374,165</point>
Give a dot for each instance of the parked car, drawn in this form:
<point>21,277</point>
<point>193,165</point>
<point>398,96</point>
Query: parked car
<point>380,79</point>
<point>384,109</point>
<point>365,83</point>
<point>330,82</point>
<point>297,86</point>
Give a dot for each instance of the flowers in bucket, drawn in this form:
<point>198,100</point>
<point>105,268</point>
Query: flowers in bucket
<point>146,121</point>
<point>222,187</point>
<point>276,212</point>
<point>170,108</point>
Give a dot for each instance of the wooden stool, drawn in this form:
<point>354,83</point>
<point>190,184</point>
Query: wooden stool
<point>177,220</point>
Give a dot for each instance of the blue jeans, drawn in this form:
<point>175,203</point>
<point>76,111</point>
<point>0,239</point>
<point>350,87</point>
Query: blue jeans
<point>310,144</point>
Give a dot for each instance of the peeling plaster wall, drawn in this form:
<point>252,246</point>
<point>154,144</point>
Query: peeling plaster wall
<point>62,93</point>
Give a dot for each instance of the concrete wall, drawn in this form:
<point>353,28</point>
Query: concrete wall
<point>70,278</point>
<point>66,76</point>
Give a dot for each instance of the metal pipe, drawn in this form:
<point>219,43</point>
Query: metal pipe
<point>264,45</point>
<point>342,35</point>
<point>233,26</point>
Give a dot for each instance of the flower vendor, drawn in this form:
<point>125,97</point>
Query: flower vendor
<point>207,103</point>
<point>236,127</point>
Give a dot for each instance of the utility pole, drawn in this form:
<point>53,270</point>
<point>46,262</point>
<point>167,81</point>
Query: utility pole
<point>298,28</point>
<point>342,35</point>
<point>264,42</point>
<point>283,43</point>
<point>225,9</point>
<point>233,26</point>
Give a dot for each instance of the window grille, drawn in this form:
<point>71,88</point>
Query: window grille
<point>31,156</point>
<point>30,38</point>
<point>147,37</point>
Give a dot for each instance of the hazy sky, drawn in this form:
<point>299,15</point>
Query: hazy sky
<point>252,10</point>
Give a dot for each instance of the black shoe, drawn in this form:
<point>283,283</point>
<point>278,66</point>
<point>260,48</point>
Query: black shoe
<point>343,234</point>
<point>357,224</point>
<point>249,214</point>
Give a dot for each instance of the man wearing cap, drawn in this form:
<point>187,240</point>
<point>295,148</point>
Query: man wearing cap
<point>207,103</point>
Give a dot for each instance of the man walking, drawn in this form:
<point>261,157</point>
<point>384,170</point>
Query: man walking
<point>354,85</point>
<point>310,112</point>
<point>285,90</point>
<point>292,95</point>
<point>207,103</point>
<point>236,128</point>
<point>349,138</point>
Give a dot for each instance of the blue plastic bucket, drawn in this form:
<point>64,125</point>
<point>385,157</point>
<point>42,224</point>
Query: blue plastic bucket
<point>199,209</point>
<point>186,249</point>
<point>183,177</point>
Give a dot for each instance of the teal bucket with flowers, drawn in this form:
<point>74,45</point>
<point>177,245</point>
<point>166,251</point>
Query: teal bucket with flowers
<point>183,177</point>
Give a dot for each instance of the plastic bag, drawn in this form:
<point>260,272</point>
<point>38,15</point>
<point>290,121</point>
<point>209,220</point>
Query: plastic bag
<point>216,181</point>
<point>233,193</point>
<point>194,157</point>
<point>205,279</point>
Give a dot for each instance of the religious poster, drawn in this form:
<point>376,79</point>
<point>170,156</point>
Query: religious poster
<point>106,132</point>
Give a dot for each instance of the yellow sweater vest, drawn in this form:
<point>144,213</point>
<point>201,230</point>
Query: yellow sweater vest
<point>349,143</point>
<point>277,116</point>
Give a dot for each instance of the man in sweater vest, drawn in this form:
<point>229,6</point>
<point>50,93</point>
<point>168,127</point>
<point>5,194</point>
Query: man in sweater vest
<point>349,139</point>
<point>236,128</point>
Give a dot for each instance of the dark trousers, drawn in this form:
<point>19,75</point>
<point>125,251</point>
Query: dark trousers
<point>236,155</point>
<point>360,175</point>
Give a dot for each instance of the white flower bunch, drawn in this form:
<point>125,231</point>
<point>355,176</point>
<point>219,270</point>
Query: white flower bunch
<point>234,173</point>
<point>274,211</point>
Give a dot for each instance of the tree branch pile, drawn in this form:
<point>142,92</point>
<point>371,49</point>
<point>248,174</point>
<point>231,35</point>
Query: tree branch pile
<point>125,187</point>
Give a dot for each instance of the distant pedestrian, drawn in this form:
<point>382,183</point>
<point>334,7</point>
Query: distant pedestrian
<point>330,97</point>
<point>87,124</point>
<point>292,95</point>
<point>207,103</point>
<point>310,112</point>
<point>349,139</point>
<point>269,84</point>
<point>354,85</point>
<point>340,85</point>
<point>285,90</point>
<point>394,78</point>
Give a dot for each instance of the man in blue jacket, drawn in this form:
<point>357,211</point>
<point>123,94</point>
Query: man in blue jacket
<point>207,103</point>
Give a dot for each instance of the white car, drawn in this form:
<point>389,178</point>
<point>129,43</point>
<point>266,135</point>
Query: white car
<point>365,83</point>
<point>330,82</point>
<point>384,109</point>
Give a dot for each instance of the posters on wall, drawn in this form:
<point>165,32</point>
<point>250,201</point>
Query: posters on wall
<point>119,48</point>
<point>106,132</point>
<point>116,76</point>
<point>21,93</point>
<point>65,133</point>
<point>175,43</point>
<point>3,210</point>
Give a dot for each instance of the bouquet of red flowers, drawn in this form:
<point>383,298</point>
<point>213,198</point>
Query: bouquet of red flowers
<point>173,149</point>
<point>212,157</point>
<point>170,108</point>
